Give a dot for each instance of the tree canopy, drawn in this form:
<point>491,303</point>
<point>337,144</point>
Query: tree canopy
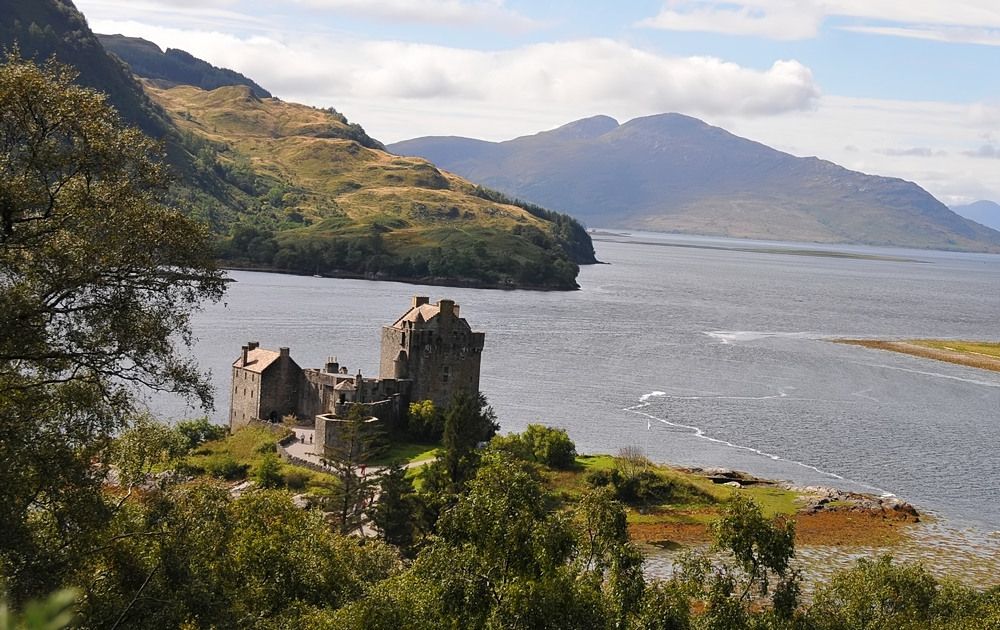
<point>98,280</point>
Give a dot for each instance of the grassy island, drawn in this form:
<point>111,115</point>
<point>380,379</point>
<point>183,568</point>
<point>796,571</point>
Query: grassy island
<point>984,355</point>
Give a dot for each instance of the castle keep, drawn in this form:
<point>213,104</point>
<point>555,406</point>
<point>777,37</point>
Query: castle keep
<point>429,353</point>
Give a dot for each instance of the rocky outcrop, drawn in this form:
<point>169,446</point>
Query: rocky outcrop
<point>819,499</point>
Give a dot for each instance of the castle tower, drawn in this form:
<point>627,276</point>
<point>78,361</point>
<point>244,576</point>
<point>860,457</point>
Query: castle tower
<point>435,348</point>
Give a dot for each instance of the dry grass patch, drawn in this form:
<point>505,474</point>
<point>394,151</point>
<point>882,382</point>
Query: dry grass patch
<point>983,355</point>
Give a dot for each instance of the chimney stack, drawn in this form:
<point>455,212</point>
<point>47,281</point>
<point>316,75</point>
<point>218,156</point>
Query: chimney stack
<point>420,300</point>
<point>332,366</point>
<point>447,308</point>
<point>253,345</point>
<point>246,349</point>
<point>283,352</point>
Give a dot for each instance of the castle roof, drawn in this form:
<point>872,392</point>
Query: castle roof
<point>422,313</point>
<point>258,360</point>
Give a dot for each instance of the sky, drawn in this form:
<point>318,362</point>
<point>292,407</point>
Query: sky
<point>902,88</point>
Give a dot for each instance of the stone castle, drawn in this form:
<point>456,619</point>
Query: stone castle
<point>430,353</point>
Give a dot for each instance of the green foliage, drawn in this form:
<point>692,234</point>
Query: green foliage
<point>295,479</point>
<point>758,546</point>
<point>198,431</point>
<point>569,233</point>
<point>424,421</point>
<point>268,472</point>
<point>51,613</point>
<point>357,443</point>
<point>146,444</point>
<point>545,445</point>
<point>396,513</point>
<point>664,606</point>
<point>469,422</point>
<point>876,595</point>
<point>100,280</point>
<point>645,487</point>
<point>225,466</point>
<point>206,560</point>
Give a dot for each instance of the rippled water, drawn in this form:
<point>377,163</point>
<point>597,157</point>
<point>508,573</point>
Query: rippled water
<point>701,357</point>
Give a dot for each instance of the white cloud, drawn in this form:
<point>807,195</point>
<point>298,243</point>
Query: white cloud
<point>966,21</point>
<point>193,14</point>
<point>854,132</point>
<point>451,12</point>
<point>774,19</point>
<point>948,34</point>
<point>549,79</point>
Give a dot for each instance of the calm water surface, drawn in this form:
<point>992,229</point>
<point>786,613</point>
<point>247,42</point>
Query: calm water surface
<point>701,357</point>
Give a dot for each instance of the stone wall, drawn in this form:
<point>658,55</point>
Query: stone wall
<point>245,398</point>
<point>279,391</point>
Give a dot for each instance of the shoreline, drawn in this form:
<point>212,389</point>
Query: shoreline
<point>833,529</point>
<point>435,282</point>
<point>950,351</point>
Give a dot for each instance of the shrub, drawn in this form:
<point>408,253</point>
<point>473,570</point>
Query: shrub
<point>644,487</point>
<point>200,430</point>
<point>268,473</point>
<point>550,446</point>
<point>544,445</point>
<point>296,479</point>
<point>225,467</point>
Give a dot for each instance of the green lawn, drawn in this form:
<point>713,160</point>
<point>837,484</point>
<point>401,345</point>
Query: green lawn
<point>406,452</point>
<point>243,451</point>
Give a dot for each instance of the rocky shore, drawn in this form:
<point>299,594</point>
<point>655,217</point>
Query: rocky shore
<point>816,499</point>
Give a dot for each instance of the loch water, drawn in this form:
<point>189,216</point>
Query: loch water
<point>703,352</point>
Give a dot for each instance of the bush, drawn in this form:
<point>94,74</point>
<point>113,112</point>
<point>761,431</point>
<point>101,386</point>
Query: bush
<point>550,446</point>
<point>225,467</point>
<point>544,445</point>
<point>268,473</point>
<point>296,479</point>
<point>198,431</point>
<point>643,487</point>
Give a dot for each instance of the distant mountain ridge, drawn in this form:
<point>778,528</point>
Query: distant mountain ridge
<point>983,212</point>
<point>147,60</point>
<point>675,173</point>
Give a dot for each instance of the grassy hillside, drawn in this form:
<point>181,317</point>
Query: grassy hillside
<point>293,188</point>
<point>320,201</point>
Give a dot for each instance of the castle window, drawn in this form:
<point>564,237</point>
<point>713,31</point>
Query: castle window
<point>402,341</point>
<point>444,374</point>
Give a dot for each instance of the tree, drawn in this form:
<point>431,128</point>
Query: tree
<point>468,422</point>
<point>395,513</point>
<point>503,559</point>
<point>356,444</point>
<point>98,280</point>
<point>757,548</point>
<point>424,421</point>
<point>876,594</point>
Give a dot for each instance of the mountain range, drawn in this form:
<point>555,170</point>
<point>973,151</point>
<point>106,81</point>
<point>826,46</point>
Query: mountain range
<point>983,212</point>
<point>675,173</point>
<point>295,188</point>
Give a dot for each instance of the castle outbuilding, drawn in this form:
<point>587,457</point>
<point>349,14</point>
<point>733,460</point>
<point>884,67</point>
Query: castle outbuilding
<point>429,353</point>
